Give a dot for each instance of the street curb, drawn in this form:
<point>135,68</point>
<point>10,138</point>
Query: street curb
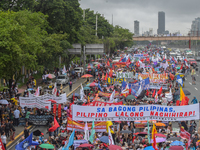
<point>7,145</point>
<point>76,88</point>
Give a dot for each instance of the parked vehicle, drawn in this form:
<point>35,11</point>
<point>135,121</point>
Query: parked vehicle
<point>193,62</point>
<point>79,70</point>
<point>62,79</point>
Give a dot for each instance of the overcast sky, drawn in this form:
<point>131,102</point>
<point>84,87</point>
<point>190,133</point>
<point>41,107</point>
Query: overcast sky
<point>179,14</point>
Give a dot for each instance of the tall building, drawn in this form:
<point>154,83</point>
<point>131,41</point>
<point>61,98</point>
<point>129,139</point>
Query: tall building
<point>161,22</point>
<point>136,27</point>
<point>195,27</point>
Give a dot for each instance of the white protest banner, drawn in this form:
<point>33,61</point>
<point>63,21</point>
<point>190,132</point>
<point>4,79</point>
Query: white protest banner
<point>133,113</point>
<point>124,75</point>
<point>34,102</point>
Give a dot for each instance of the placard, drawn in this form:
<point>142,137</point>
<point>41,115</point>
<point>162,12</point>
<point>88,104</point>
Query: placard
<point>124,75</point>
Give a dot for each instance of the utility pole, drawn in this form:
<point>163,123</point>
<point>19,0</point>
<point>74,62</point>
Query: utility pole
<point>84,59</point>
<point>112,19</point>
<point>96,23</point>
<point>84,14</point>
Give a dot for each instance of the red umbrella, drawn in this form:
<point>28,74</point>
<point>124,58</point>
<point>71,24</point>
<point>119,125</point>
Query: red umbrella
<point>85,145</point>
<point>87,76</point>
<point>93,84</point>
<point>114,147</point>
<point>176,148</point>
<point>160,135</point>
<point>53,101</point>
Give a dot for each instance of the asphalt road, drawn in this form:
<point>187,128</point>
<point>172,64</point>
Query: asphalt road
<point>194,89</point>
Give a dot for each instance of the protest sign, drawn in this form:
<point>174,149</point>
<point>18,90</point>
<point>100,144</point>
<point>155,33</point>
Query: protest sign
<point>141,55</point>
<point>107,94</point>
<point>98,103</point>
<point>99,126</point>
<point>132,113</point>
<point>124,75</point>
<point>158,86</point>
<point>41,101</point>
<point>113,80</point>
<point>79,142</point>
<point>31,102</point>
<point>39,120</point>
<point>154,78</point>
<point>144,85</point>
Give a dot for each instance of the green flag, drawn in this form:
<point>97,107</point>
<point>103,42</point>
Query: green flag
<point>148,130</point>
<point>92,133</point>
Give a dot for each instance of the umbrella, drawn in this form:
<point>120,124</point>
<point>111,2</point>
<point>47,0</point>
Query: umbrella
<point>47,146</point>
<point>160,135</point>
<point>86,145</point>
<point>30,89</point>
<point>87,76</point>
<point>176,148</point>
<point>125,131</point>
<point>76,94</point>
<point>86,88</point>
<point>141,133</point>
<point>160,124</point>
<point>35,143</point>
<point>159,140</point>
<point>65,108</point>
<point>130,97</point>
<point>37,133</point>
<point>51,76</point>
<point>114,147</point>
<point>176,143</point>
<point>4,102</point>
<point>186,92</point>
<point>173,139</point>
<point>104,139</point>
<point>149,148</point>
<point>53,101</point>
<point>92,84</point>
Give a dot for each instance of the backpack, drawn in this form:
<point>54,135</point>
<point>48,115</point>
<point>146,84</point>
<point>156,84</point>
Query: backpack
<point>70,83</point>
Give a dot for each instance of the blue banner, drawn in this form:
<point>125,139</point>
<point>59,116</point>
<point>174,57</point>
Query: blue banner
<point>145,84</point>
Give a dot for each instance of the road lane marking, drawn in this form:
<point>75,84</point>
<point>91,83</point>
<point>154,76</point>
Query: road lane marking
<point>190,83</point>
<point>196,89</point>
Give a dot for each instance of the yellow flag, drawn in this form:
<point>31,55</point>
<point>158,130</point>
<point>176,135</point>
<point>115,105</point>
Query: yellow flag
<point>108,124</point>
<point>88,99</point>
<point>182,95</point>
<point>154,131</point>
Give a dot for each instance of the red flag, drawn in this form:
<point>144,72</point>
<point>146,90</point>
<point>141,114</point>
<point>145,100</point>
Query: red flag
<point>54,109</point>
<point>177,103</point>
<point>160,91</point>
<point>56,125</point>
<point>59,111</point>
<point>110,73</point>
<point>70,109</point>
<point>171,76</point>
<point>106,77</point>
<point>137,64</point>
<point>147,59</point>
<point>185,135</point>
<point>108,63</point>
<point>1,145</point>
<point>154,92</point>
<point>181,67</point>
<point>147,93</point>
<point>120,59</point>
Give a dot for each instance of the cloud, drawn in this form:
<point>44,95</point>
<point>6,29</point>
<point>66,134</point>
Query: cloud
<point>178,13</point>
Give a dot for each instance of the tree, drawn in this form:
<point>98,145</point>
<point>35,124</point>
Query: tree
<point>20,42</point>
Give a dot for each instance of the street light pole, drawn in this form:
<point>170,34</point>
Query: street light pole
<point>96,23</point>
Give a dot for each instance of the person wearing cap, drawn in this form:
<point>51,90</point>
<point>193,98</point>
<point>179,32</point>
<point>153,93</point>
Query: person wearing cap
<point>41,138</point>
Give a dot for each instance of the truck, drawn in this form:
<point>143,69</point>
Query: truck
<point>62,79</point>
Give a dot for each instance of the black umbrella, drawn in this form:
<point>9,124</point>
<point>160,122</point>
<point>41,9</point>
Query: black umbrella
<point>37,133</point>
<point>186,92</point>
<point>125,131</point>
<point>173,139</point>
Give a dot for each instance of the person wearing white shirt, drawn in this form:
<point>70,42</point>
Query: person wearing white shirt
<point>16,115</point>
